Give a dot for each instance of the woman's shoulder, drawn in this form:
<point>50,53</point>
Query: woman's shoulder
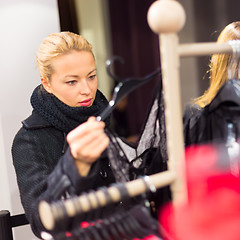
<point>34,121</point>
<point>33,128</point>
<point>192,111</point>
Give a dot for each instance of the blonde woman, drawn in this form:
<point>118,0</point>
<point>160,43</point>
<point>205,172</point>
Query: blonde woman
<point>55,151</point>
<point>196,114</point>
<point>59,151</point>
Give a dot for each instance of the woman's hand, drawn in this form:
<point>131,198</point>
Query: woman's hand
<point>87,142</point>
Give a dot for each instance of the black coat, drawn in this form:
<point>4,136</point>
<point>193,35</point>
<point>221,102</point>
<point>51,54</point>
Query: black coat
<point>46,170</point>
<point>218,121</point>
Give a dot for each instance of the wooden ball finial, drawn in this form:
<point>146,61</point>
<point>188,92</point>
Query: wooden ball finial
<point>166,16</point>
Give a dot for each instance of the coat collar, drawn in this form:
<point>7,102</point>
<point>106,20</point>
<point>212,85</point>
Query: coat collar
<point>228,93</point>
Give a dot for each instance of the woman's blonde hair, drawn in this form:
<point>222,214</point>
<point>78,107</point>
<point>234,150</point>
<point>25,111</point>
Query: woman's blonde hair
<point>57,44</point>
<point>219,64</point>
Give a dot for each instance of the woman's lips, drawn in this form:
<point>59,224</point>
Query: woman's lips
<point>86,102</point>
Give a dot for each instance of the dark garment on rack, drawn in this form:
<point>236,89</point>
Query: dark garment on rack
<point>136,223</point>
<point>218,121</point>
<point>148,156</point>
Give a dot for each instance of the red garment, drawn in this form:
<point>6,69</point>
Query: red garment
<point>213,210</point>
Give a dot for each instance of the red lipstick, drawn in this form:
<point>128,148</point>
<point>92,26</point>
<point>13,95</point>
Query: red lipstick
<point>86,103</point>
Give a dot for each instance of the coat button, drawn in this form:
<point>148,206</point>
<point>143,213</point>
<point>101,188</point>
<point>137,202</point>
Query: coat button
<point>103,174</point>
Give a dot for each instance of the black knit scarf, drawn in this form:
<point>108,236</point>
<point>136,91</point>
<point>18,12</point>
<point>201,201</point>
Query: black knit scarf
<point>62,116</point>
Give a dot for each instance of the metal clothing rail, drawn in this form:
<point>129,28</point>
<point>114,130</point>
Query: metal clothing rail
<point>166,26</point>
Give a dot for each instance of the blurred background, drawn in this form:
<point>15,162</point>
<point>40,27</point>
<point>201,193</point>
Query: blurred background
<point>114,27</point>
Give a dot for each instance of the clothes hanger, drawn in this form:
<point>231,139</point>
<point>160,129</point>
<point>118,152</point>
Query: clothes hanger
<point>93,231</point>
<point>115,221</point>
<point>123,88</point>
<point>134,227</point>
<point>102,232</point>
<point>122,225</point>
<point>61,213</point>
<point>85,234</point>
<point>111,229</point>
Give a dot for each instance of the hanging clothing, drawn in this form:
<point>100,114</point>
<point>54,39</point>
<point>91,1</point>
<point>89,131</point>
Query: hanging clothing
<point>135,224</point>
<point>149,155</point>
<point>213,207</point>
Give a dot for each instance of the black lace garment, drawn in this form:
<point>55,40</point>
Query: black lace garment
<point>151,145</point>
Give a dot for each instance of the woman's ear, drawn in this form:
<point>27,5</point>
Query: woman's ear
<point>46,85</point>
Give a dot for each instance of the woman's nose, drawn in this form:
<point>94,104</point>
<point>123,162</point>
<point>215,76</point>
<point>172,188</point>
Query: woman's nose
<point>84,87</point>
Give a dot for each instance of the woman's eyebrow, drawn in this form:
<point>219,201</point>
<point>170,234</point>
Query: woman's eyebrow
<point>92,71</point>
<point>77,76</point>
<point>71,76</point>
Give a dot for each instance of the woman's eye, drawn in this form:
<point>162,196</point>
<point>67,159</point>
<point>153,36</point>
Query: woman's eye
<point>92,77</point>
<point>71,82</point>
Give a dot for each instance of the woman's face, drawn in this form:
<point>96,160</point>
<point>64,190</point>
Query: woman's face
<point>74,79</point>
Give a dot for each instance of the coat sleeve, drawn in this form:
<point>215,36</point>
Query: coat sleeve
<point>191,126</point>
<point>40,178</point>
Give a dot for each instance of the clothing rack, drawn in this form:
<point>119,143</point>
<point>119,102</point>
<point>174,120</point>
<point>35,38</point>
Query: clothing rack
<point>203,49</point>
<point>166,26</point>
<point>50,213</point>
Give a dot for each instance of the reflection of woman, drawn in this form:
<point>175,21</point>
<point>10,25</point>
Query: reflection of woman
<point>218,77</point>
<point>68,96</point>
<point>219,65</point>
<point>59,151</point>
